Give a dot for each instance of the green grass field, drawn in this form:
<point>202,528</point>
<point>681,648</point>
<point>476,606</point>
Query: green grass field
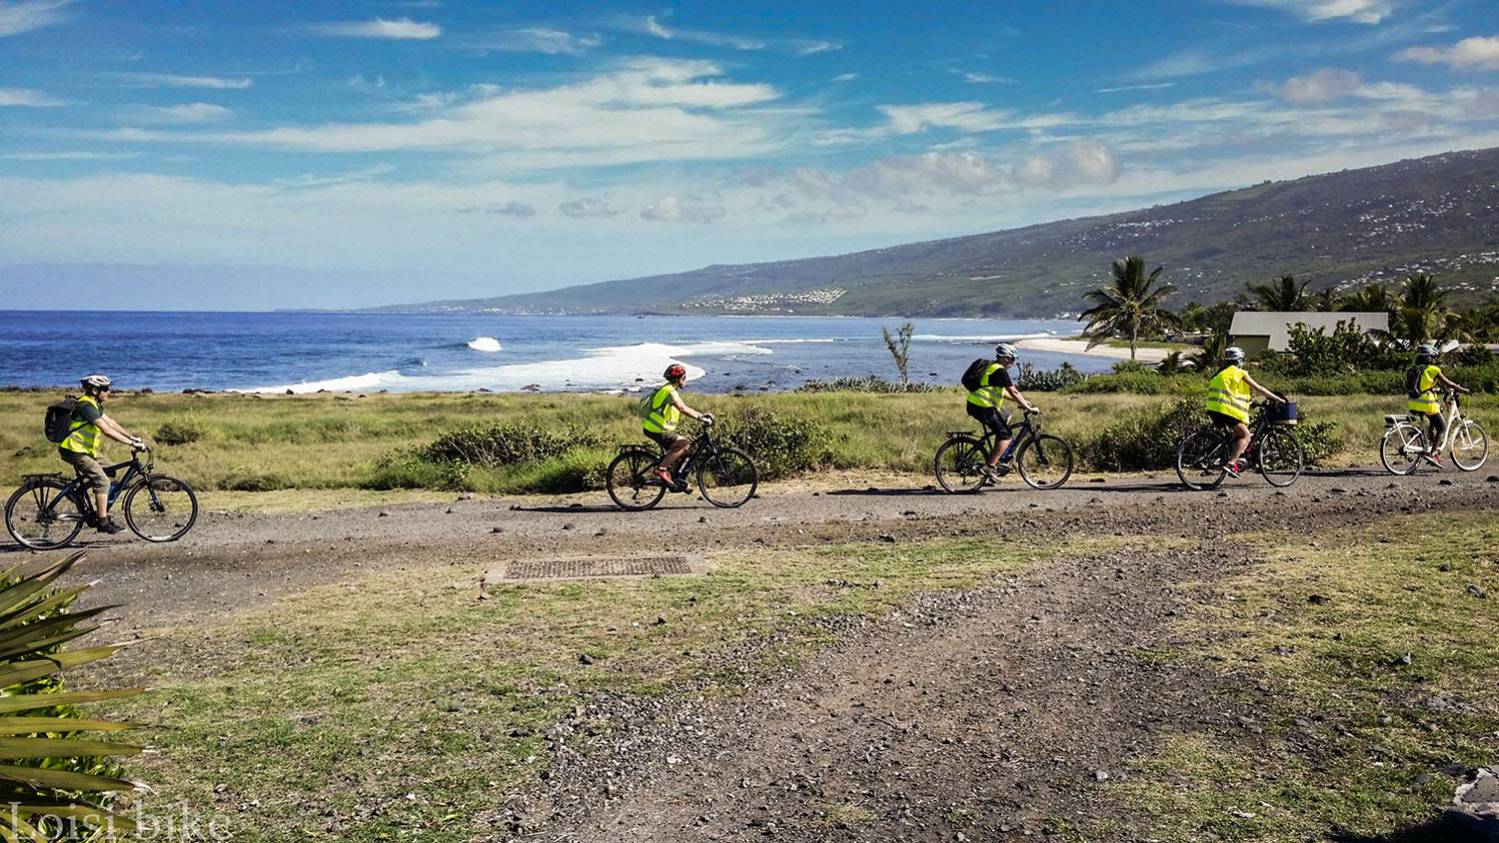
<point>327,442</point>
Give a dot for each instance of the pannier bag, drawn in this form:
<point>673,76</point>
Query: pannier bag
<point>1284,413</point>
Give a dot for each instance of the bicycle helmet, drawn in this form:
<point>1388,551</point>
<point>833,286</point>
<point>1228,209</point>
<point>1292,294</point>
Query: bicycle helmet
<point>675,371</point>
<point>96,382</point>
<point>1006,351</point>
<point>1426,351</point>
<point>1233,354</point>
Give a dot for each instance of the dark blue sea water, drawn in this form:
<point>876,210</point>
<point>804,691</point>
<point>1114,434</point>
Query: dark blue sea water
<point>369,352</point>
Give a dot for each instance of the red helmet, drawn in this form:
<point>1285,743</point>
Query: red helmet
<point>674,371</point>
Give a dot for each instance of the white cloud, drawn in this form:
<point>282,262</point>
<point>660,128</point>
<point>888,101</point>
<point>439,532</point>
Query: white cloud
<point>21,16</point>
<point>673,209</point>
<point>69,155</point>
<point>1357,11</point>
<point>192,112</point>
<point>1151,86</point>
<point>982,78</point>
<point>1478,53</point>
<point>964,116</point>
<point>539,39</point>
<point>1324,85</point>
<point>27,98</point>
<point>649,25</point>
<point>845,77</point>
<point>518,210</point>
<point>587,207</point>
<point>173,80</point>
<point>1087,162</point>
<point>399,29</point>
<point>647,110</point>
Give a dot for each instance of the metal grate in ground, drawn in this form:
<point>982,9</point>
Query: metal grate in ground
<point>602,566</point>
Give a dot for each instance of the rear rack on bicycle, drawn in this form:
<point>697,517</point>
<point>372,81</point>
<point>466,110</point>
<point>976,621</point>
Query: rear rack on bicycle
<point>43,476</point>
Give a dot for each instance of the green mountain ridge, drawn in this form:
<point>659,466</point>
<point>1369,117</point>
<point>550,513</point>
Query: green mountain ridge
<point>1439,214</point>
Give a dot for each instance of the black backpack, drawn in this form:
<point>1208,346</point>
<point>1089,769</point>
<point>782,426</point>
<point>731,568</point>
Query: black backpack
<point>973,376</point>
<point>59,422</point>
<point>1413,382</point>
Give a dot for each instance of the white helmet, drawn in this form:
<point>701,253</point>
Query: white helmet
<point>96,382</point>
<point>1426,351</point>
<point>1233,354</point>
<point>1007,351</point>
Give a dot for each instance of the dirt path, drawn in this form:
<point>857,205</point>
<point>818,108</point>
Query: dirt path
<point>985,714</point>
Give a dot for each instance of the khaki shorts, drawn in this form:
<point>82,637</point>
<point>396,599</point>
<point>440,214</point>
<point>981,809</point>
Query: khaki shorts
<point>665,440</point>
<point>89,468</point>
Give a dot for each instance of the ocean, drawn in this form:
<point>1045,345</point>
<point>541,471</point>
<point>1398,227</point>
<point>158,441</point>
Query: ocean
<point>368,352</point>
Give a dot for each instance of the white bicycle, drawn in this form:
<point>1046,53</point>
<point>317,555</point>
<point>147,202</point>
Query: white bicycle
<point>1404,447</point>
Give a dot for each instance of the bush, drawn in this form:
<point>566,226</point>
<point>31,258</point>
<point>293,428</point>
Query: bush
<point>504,445</point>
<point>407,470</point>
<point>1144,440</point>
<point>1141,382</point>
<point>1345,351</point>
<point>1319,440</point>
<point>869,383</point>
<point>1033,379</point>
<point>255,483</point>
<point>780,445</point>
<point>179,432</point>
<point>1131,367</point>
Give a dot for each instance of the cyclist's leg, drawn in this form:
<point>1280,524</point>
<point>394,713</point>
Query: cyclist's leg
<point>93,478</point>
<point>1240,433</point>
<point>673,446</point>
<point>993,422</point>
<point>1438,425</point>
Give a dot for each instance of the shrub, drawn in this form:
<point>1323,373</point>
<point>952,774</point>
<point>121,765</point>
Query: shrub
<point>780,444</point>
<point>1130,367</point>
<point>1319,440</point>
<point>179,432</point>
<point>255,483</point>
<point>1033,379</point>
<point>408,470</point>
<point>506,444</point>
<point>868,383</point>
<point>1142,382</point>
<point>1145,439</point>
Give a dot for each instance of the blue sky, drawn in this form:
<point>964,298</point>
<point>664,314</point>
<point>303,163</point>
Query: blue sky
<point>279,154</point>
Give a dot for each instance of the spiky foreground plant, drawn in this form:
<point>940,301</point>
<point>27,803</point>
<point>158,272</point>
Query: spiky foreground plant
<point>54,782</point>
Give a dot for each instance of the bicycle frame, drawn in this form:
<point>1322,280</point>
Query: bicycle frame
<point>134,472</point>
<point>1022,433</point>
<point>1453,416</point>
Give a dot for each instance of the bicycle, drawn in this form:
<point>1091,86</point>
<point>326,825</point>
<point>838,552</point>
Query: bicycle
<point>726,477</point>
<point>1403,446</point>
<point>1202,456</point>
<point>47,513</point>
<point>1044,460</point>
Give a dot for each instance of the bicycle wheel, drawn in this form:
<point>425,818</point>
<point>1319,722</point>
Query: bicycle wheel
<point>1280,457</point>
<point>958,464</point>
<point>36,517</point>
<point>727,478</point>
<point>1200,459</point>
<point>631,481</point>
<point>1400,449</point>
<point>165,512</point>
<point>1470,446</point>
<point>1045,462</point>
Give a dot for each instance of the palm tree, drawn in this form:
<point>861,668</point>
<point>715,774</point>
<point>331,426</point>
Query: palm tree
<point>1211,355</point>
<point>1422,314</point>
<point>1172,364</point>
<point>1128,307</point>
<point>1283,295</point>
<point>1327,301</point>
<point>1372,298</point>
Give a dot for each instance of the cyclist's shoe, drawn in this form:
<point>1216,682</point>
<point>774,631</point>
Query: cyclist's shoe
<point>1434,459</point>
<point>1003,468</point>
<point>91,520</point>
<point>1232,468</point>
<point>109,526</point>
<point>666,479</point>
<point>991,473</point>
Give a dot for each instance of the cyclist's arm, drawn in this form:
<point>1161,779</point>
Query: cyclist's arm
<point>1020,399</point>
<point>111,428</point>
<point>1446,381</point>
<point>1254,384</point>
<point>687,411</point>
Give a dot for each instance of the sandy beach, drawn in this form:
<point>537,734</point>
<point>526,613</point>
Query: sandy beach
<point>1144,355</point>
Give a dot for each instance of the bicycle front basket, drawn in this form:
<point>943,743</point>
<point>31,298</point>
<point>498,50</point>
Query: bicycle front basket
<point>1284,413</point>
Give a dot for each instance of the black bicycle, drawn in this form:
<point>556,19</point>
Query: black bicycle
<point>1202,457</point>
<point>1044,460</point>
<point>726,476</point>
<point>47,512</point>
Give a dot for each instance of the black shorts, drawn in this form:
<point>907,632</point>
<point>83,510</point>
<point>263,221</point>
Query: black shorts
<point>1223,419</point>
<point>665,440</point>
<point>991,418</point>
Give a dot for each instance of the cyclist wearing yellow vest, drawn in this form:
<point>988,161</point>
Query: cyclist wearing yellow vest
<point>1228,398</point>
<point>1421,382</point>
<point>81,448</point>
<point>984,406</point>
<point>660,426</point>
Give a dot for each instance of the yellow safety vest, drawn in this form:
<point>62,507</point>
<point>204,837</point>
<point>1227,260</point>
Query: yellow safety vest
<point>663,415</point>
<point>986,395</point>
<point>83,437</point>
<point>1427,403</point>
<point>1228,393</point>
